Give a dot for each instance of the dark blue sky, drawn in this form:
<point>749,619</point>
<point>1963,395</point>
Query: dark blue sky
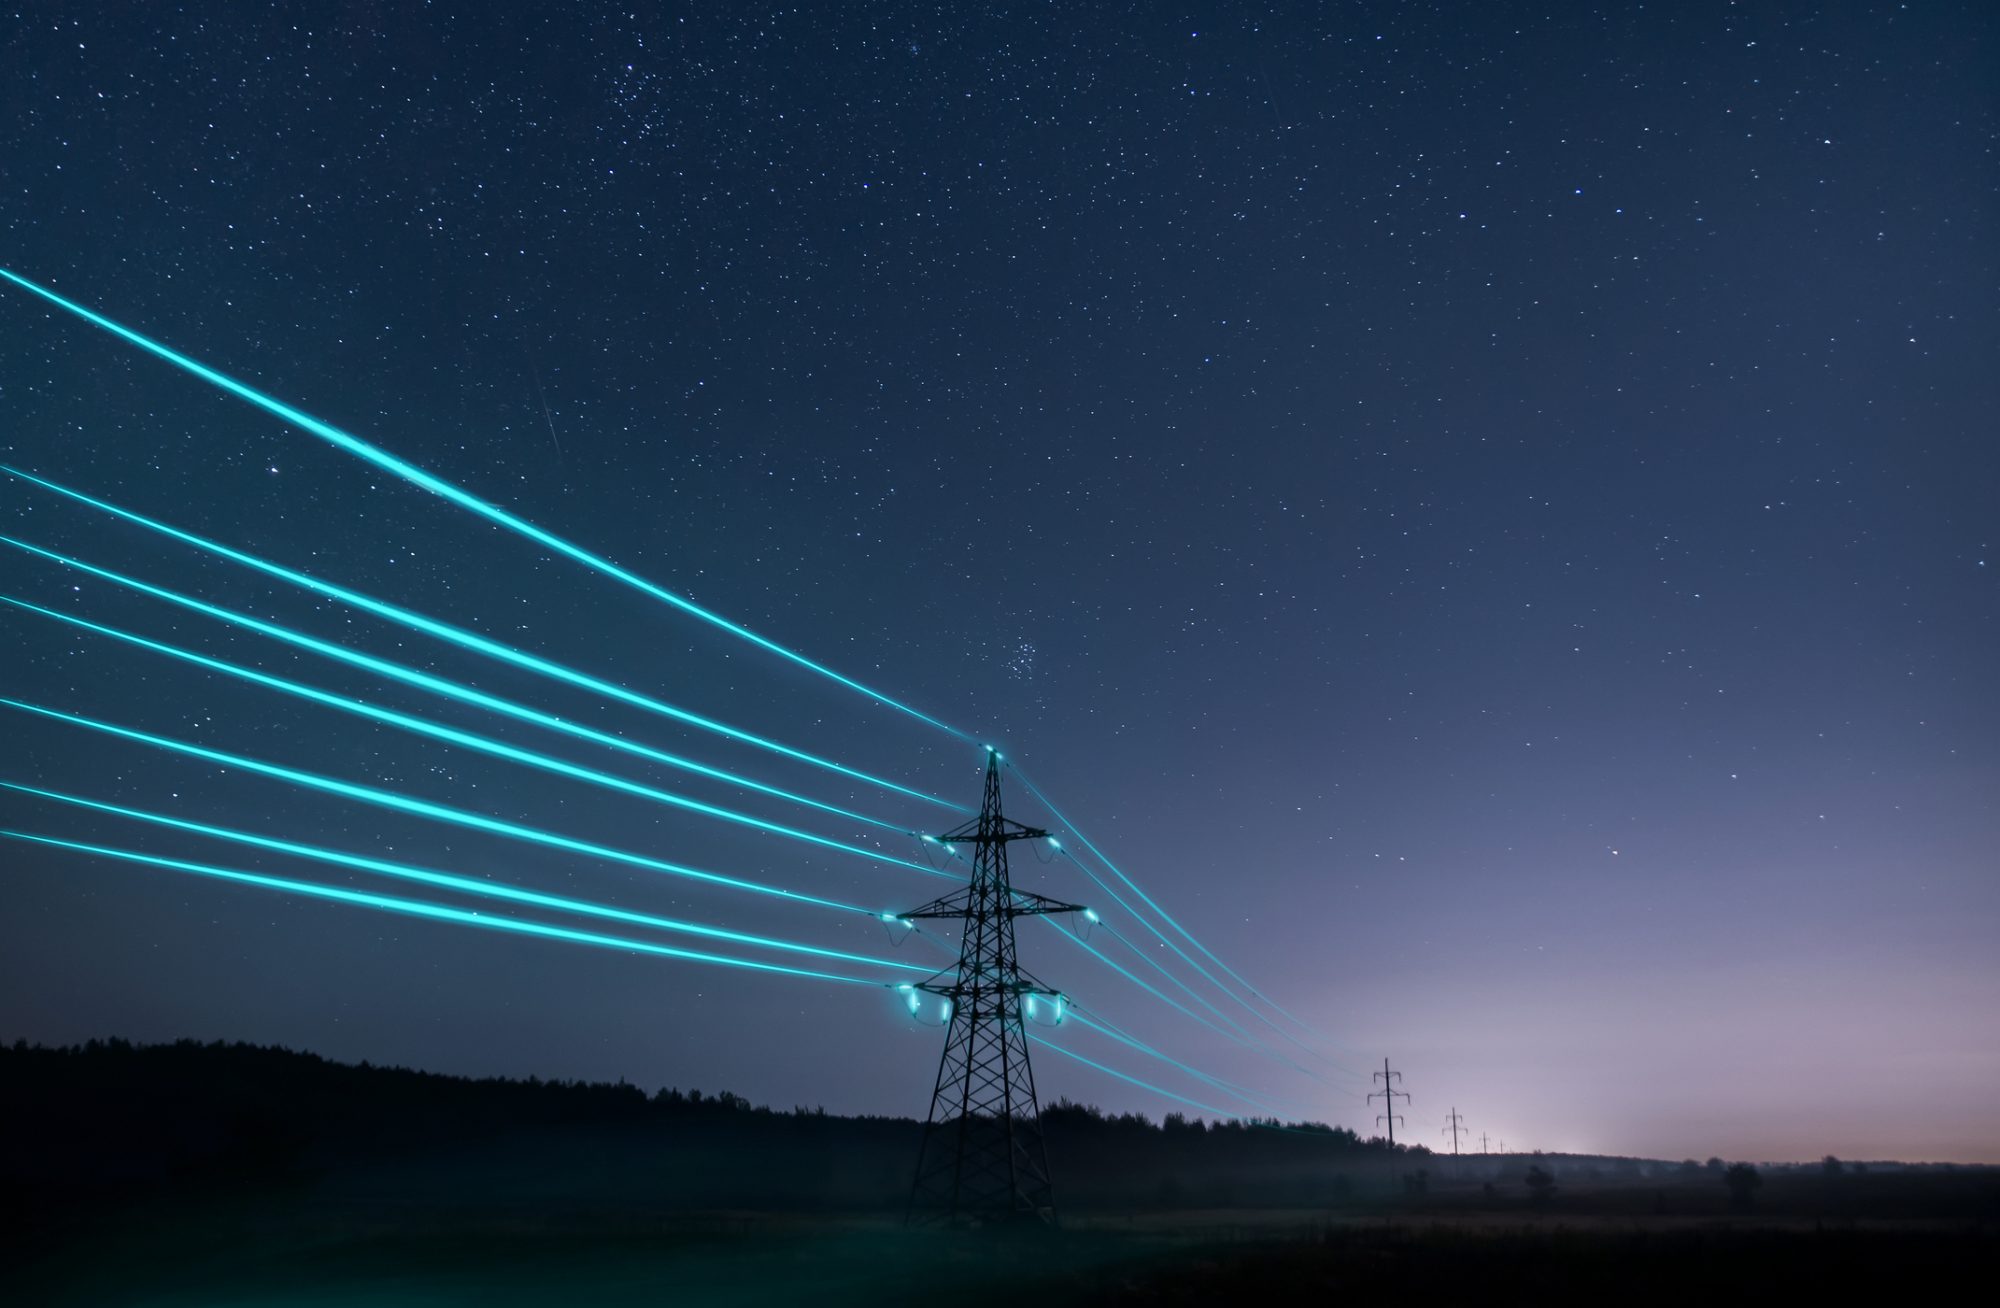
<point>1487,513</point>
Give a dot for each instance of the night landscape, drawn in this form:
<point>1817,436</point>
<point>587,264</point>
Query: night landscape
<point>1052,654</point>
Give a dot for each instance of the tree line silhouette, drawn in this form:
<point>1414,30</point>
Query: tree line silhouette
<point>109,1120</point>
<point>112,1117</point>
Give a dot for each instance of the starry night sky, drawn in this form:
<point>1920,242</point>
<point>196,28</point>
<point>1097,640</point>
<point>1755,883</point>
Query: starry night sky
<point>1486,512</point>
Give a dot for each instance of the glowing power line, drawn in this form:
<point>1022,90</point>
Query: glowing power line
<point>436,685</point>
<point>418,477</point>
<point>1077,1014</point>
<point>567,675</point>
<point>487,921</point>
<point>1244,1039</point>
<point>500,922</point>
<point>438,486</point>
<point>1236,1033</point>
<point>1211,1109</point>
<point>1169,919</point>
<point>473,741</point>
<point>439,912</point>
<point>447,881</point>
<point>436,812</point>
<point>462,638</point>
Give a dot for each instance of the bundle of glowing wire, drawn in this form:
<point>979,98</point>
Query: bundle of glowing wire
<point>465,695</point>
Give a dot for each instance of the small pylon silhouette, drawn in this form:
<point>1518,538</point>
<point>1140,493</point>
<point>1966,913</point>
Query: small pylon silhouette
<point>1388,1094</point>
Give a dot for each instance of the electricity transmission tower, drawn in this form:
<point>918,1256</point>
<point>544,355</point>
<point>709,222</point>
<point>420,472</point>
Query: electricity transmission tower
<point>1387,1094</point>
<point>982,1159</point>
<point>1454,1124</point>
<point>1482,1144</point>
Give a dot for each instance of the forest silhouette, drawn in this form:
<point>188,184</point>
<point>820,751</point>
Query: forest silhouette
<point>136,1169</point>
<point>113,1117</point>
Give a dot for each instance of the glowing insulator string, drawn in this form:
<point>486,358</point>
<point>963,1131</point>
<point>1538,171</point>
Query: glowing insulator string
<point>438,486</point>
<point>466,885</point>
<point>436,812</point>
<point>1057,813</point>
<point>478,743</point>
<point>441,686</point>
<point>438,912</point>
<point>472,641</point>
<point>1210,1109</point>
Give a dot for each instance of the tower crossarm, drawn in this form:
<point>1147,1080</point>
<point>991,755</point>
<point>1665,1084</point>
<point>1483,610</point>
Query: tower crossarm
<point>956,904</point>
<point>954,989</point>
<point>1024,903</point>
<point>990,831</point>
<point>1028,904</point>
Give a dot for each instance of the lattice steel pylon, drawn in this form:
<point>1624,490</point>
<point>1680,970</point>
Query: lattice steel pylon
<point>983,1160</point>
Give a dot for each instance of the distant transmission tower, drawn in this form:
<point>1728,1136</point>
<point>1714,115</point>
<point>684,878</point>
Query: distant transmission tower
<point>1482,1144</point>
<point>982,1159</point>
<point>1453,1125</point>
<point>1387,1094</point>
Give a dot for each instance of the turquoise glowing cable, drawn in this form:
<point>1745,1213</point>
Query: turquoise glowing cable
<point>416,476</point>
<point>426,481</point>
<point>1238,1035</point>
<point>474,741</point>
<point>1117,1034</point>
<point>448,881</point>
<point>440,685</point>
<point>1152,962</point>
<point>520,926</point>
<point>1210,1109</point>
<point>474,642</point>
<point>1248,1038</point>
<point>437,812</point>
<point>1180,953</point>
<point>1241,1036</point>
<point>1078,1014</point>
<point>1244,1039</point>
<point>1168,918</point>
<point>438,912</point>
